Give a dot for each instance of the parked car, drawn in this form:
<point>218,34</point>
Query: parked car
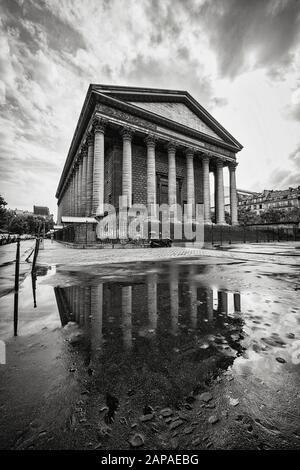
<point>160,243</point>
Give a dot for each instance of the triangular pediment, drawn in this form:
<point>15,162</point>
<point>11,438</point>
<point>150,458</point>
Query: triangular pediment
<point>175,105</point>
<point>180,113</point>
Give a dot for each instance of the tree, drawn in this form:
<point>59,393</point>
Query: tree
<point>270,216</point>
<point>293,215</point>
<point>23,223</point>
<point>18,225</point>
<point>3,212</point>
<point>247,216</point>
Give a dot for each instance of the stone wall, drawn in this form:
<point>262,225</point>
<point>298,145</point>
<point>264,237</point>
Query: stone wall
<point>139,174</point>
<point>85,233</point>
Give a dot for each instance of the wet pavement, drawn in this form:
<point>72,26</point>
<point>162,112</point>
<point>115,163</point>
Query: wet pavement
<point>196,352</point>
<point>7,264</point>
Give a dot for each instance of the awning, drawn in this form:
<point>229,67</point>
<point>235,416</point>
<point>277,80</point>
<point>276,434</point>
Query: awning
<point>78,220</point>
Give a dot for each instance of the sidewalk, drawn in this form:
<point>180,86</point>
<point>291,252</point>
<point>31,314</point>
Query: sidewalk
<point>279,253</point>
<point>7,264</point>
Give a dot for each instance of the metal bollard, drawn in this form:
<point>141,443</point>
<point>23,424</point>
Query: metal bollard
<point>16,296</point>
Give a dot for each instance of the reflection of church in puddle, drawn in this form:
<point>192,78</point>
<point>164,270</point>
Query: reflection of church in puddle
<point>153,307</point>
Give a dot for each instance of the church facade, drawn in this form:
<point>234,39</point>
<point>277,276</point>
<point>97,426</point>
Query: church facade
<point>150,146</point>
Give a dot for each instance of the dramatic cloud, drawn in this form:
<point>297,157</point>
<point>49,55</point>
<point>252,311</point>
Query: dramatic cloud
<point>295,157</point>
<point>250,34</point>
<point>239,58</point>
<point>282,178</point>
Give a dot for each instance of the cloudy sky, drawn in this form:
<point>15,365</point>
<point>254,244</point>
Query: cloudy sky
<point>239,58</point>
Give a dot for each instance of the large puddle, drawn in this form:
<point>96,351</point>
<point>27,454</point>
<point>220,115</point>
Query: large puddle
<point>151,336</point>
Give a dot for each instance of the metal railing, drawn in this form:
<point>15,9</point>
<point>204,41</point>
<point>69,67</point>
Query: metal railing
<point>227,234</point>
<point>66,234</point>
<point>213,234</point>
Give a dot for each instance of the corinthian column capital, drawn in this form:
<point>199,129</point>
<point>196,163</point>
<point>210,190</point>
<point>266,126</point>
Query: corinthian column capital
<point>83,149</point>
<point>78,159</point>
<point>127,133</point>
<point>189,152</point>
<point>205,158</point>
<point>99,124</point>
<point>89,139</point>
<point>232,166</point>
<point>172,146</point>
<point>150,140</point>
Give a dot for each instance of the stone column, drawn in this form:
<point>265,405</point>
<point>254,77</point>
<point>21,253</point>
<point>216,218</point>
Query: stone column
<point>190,182</point>
<point>58,212</point>
<point>84,179</point>
<point>74,193</point>
<point>174,299</point>
<point>76,303</point>
<point>222,302</point>
<point>98,168</point>
<point>209,304</point>
<point>216,194</point>
<point>87,304</point>
<point>237,301</point>
<point>70,195</point>
<point>206,189</point>
<point>76,189</point>
<point>220,185</point>
<point>81,305</point>
<point>61,204</point>
<point>80,186</point>
<point>193,296</point>
<point>90,164</point>
<point>127,165</point>
<point>126,316</point>
<point>96,305</point>
<point>152,300</point>
<point>151,175</point>
<point>172,173</point>
<point>66,199</point>
<point>233,194</point>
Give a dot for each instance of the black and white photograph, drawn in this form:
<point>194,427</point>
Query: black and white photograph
<point>149,229</point>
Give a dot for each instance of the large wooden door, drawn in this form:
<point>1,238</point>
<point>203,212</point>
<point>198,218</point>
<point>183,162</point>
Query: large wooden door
<point>162,190</point>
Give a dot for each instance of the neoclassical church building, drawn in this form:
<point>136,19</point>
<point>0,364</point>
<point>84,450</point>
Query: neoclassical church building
<point>152,146</point>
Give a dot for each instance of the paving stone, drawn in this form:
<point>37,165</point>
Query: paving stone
<point>137,440</point>
<point>176,424</point>
<point>213,419</point>
<point>166,412</point>
<point>206,397</point>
